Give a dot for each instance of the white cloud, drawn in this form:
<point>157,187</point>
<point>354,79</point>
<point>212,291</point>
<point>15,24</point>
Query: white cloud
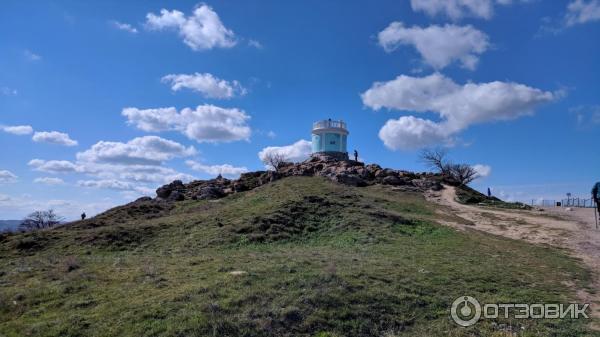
<point>48,181</point>
<point>482,170</point>
<point>224,169</point>
<point>55,166</point>
<point>299,151</point>
<point>31,56</point>
<point>254,43</point>
<point>7,177</point>
<point>107,184</point>
<point>200,31</point>
<point>207,123</point>
<point>438,45</point>
<point>18,207</point>
<point>206,84</point>
<point>18,129</point>
<point>586,115</point>
<point>455,9</point>
<point>118,185</point>
<point>6,91</point>
<point>410,132</point>
<point>459,106</point>
<point>124,26</point>
<point>458,9</point>
<point>581,11</point>
<point>54,137</point>
<point>148,150</point>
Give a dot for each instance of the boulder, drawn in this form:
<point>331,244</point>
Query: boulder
<point>393,180</point>
<point>349,179</point>
<point>166,190</point>
<point>143,199</point>
<point>209,192</point>
<point>176,196</point>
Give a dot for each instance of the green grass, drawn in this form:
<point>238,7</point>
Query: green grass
<point>320,259</point>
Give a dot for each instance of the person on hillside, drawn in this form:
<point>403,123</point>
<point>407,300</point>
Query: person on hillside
<point>355,155</point>
<point>596,194</point>
<point>489,193</point>
<point>83,216</point>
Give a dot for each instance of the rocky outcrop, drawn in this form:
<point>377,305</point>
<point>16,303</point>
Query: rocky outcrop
<point>347,172</point>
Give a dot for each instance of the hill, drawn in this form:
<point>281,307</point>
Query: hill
<point>9,225</point>
<point>297,256</point>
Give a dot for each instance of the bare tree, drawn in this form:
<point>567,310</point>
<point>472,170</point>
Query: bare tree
<point>463,173</point>
<point>41,219</point>
<point>274,159</point>
<point>436,159</point>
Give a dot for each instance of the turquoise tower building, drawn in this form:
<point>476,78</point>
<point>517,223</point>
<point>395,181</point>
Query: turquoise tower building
<point>330,137</point>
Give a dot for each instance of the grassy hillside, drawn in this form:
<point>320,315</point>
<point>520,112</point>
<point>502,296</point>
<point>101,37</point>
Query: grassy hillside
<point>298,257</point>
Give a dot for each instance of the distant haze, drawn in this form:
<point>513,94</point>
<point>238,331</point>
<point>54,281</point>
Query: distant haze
<point>9,224</point>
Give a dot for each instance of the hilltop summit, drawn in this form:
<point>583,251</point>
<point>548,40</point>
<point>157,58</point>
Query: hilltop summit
<point>348,172</point>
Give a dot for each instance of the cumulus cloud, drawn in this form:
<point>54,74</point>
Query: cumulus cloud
<point>55,166</point>
<point>459,106</point>
<point>581,11</point>
<point>137,173</point>
<point>124,26</point>
<point>207,123</point>
<point>458,9</point>
<point>296,152</point>
<point>148,150</point>
<point>54,137</point>
<point>438,45</point>
<point>224,169</point>
<point>31,56</point>
<point>408,132</point>
<point>7,177</point>
<point>18,129</point>
<point>206,84</point>
<point>200,31</point>
<point>482,170</point>
<point>48,181</point>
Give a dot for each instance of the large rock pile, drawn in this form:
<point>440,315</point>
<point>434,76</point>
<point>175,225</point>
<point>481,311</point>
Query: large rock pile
<point>347,172</point>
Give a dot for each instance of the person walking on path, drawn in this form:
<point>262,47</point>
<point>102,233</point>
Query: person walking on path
<point>355,155</point>
<point>596,197</point>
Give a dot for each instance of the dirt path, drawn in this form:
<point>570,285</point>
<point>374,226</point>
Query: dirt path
<point>573,230</point>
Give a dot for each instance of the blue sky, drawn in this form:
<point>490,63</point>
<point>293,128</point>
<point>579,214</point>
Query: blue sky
<point>103,102</point>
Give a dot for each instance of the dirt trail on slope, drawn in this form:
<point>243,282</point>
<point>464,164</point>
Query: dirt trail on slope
<point>573,230</point>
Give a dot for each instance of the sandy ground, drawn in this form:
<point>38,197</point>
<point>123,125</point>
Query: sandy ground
<point>574,230</point>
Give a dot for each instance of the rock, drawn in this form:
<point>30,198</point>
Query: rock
<point>335,167</point>
<point>163,192</point>
<point>393,180</point>
<point>384,173</point>
<point>176,196</point>
<point>143,199</point>
<point>166,190</point>
<point>209,192</point>
<point>349,179</point>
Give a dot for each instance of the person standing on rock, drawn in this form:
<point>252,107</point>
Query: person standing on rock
<point>83,216</point>
<point>596,194</point>
<point>355,155</point>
